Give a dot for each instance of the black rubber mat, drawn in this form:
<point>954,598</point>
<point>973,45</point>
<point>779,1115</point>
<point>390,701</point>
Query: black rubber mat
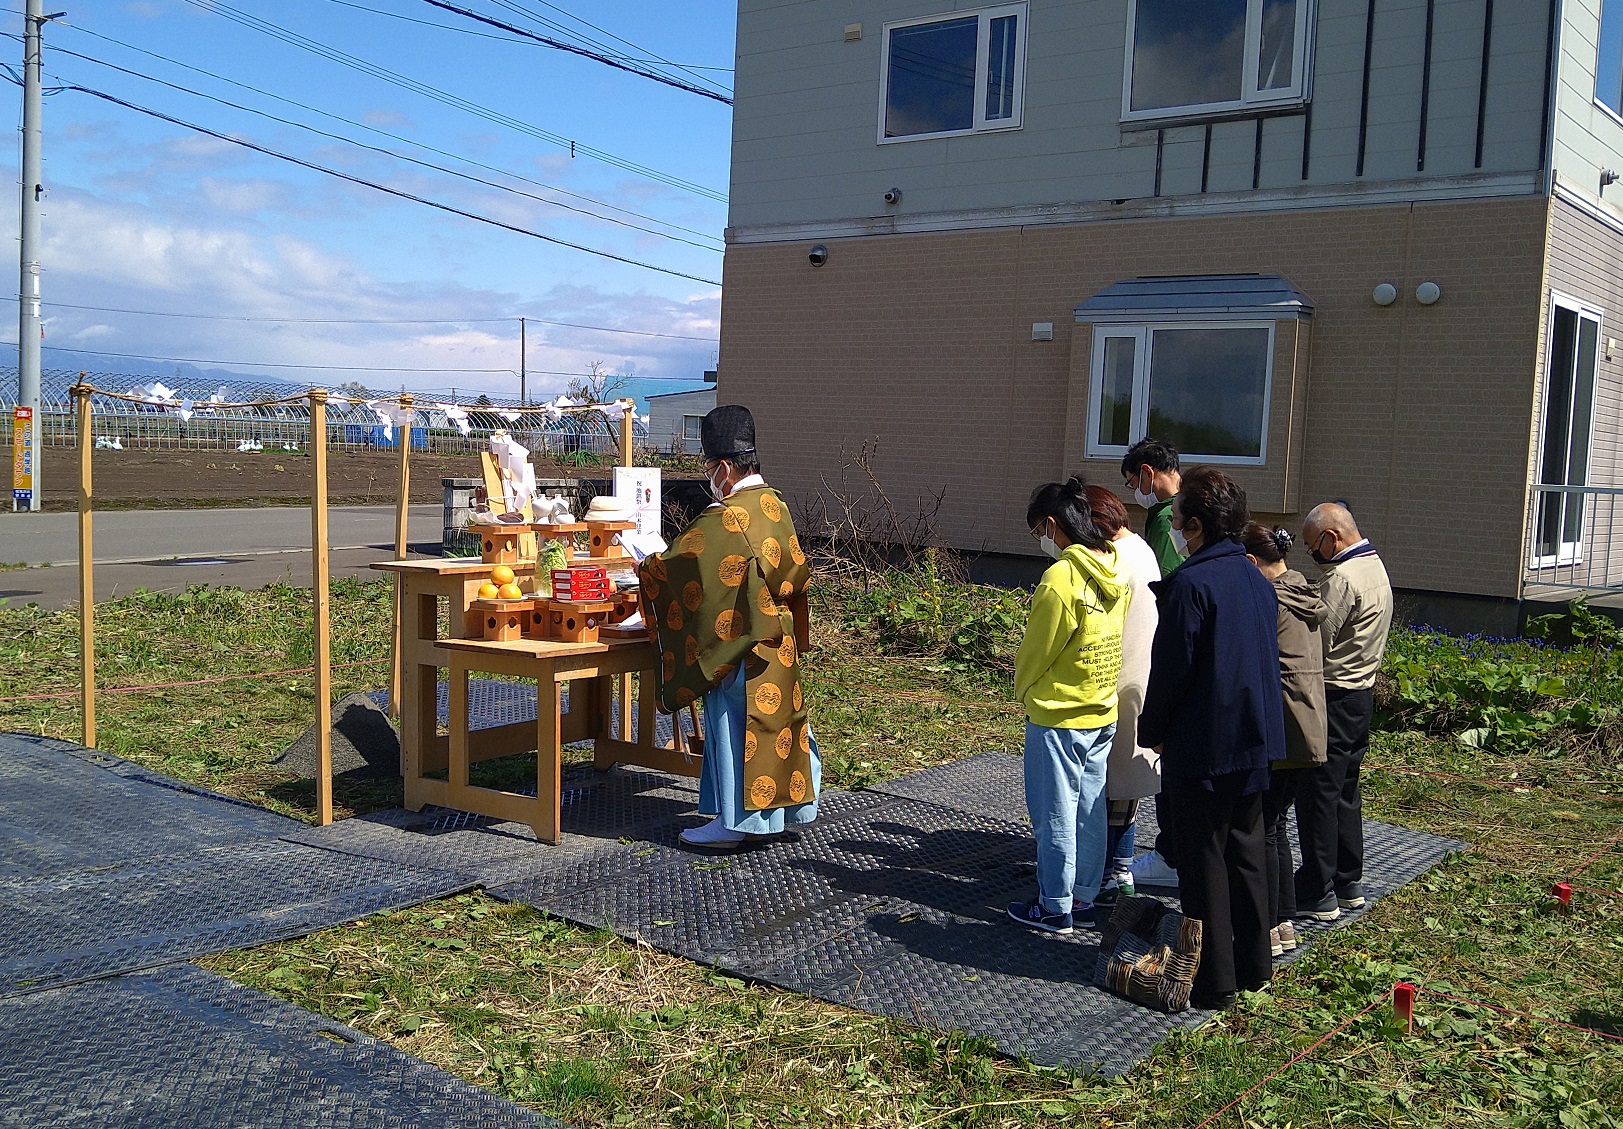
<point>893,902</point>
<point>106,868</point>
<point>180,1047</point>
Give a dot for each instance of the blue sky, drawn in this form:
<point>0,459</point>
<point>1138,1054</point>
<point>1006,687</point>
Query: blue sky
<point>143,215</point>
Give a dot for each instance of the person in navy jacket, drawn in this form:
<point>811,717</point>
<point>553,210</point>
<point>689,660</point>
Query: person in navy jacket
<point>1215,707</point>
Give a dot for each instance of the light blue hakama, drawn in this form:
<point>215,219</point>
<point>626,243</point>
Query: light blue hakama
<point>721,773</point>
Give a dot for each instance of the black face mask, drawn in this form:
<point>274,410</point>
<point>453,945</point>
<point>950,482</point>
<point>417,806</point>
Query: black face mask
<point>1318,557</point>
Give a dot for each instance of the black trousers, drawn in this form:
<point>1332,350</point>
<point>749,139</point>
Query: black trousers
<point>1276,843</point>
<point>1329,808</point>
<point>1166,818</point>
<point>1222,880</point>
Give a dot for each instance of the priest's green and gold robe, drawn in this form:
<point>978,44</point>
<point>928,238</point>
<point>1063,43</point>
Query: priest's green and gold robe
<point>720,601</point>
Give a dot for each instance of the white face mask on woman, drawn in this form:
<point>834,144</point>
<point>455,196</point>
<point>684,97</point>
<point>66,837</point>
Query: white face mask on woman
<point>1180,542</point>
<point>1049,546</point>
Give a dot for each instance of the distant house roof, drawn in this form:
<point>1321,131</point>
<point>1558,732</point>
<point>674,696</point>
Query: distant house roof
<point>1196,297</point>
<point>688,392</point>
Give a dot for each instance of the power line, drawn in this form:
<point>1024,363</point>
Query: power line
<point>332,54</point>
<point>545,22</point>
<point>401,193</point>
<point>574,49</point>
<point>380,132</point>
<point>379,149</point>
<point>374,321</point>
<point>272,364</point>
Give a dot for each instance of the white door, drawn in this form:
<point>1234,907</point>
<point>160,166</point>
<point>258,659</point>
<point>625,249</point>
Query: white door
<point>1568,416</point>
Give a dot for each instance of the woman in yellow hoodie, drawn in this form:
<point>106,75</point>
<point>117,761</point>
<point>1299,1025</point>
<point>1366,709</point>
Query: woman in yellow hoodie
<point>1065,675</point>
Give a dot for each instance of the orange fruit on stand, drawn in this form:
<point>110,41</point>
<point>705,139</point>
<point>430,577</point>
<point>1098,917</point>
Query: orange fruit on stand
<point>509,591</point>
<point>501,574</point>
<point>487,591</point>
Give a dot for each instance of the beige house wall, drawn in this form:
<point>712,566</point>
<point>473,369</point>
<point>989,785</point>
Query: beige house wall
<point>1418,416</point>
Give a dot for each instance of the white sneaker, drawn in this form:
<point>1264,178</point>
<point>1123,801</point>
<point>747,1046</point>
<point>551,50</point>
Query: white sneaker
<point>713,836</point>
<point>1152,870</point>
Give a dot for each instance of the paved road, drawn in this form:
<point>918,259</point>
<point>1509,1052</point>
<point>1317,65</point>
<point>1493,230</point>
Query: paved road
<point>151,535</point>
<point>166,550</point>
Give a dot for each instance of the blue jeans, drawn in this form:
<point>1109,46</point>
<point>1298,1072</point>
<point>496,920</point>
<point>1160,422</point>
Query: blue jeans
<point>1065,795</point>
<point>721,772</point>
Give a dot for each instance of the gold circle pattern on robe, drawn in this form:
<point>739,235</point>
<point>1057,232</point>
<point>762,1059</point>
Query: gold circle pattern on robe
<point>732,570</point>
<point>768,698</point>
<point>772,551</point>
<point>692,595</point>
<point>794,551</point>
<point>730,625</point>
<point>772,508</point>
<point>763,790</point>
<point>797,786</point>
<point>692,543</point>
<point>735,519</point>
<point>750,744</point>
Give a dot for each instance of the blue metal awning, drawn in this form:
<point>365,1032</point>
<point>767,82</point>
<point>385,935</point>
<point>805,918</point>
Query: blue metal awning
<point>1196,297</point>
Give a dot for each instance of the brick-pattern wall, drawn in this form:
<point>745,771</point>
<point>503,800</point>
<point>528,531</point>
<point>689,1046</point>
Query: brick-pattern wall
<point>1418,416</point>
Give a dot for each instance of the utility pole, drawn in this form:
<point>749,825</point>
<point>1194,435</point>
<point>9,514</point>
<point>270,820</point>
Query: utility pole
<point>522,352</point>
<point>28,322</point>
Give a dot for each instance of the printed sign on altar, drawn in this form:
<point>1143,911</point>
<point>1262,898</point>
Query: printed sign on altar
<point>640,486</point>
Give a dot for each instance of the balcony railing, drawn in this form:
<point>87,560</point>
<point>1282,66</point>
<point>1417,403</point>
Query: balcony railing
<point>1573,541</point>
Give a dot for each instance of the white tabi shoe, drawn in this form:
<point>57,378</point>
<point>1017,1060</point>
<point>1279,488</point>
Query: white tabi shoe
<point>713,836</point>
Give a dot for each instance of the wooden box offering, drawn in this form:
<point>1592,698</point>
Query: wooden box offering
<point>575,621</point>
<point>498,544</point>
<point>503,620</point>
<point>605,537</point>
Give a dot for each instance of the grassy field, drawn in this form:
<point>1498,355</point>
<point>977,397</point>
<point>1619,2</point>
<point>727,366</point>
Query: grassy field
<point>602,1032</point>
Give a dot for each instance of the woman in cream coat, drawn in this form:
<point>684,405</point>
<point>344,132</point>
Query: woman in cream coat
<point>1134,773</point>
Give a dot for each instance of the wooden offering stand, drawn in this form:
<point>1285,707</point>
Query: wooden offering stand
<point>573,621</point>
<point>504,620</point>
<point>499,544</point>
<point>604,539</point>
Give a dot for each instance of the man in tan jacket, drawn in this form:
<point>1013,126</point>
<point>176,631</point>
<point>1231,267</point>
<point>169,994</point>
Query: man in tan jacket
<point>1329,810</point>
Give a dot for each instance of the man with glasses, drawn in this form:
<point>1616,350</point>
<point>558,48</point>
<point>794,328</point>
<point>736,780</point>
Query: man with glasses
<point>1150,470</point>
<point>1329,808</point>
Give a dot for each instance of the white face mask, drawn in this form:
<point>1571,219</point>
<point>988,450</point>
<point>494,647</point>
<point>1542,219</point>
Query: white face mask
<point>1145,499</point>
<point>719,493</point>
<point>1180,542</point>
<point>1049,546</point>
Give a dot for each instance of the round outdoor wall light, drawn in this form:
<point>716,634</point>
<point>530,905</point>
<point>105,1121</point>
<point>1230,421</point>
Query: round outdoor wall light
<point>1427,293</point>
<point>1385,294</point>
<point>818,255</point>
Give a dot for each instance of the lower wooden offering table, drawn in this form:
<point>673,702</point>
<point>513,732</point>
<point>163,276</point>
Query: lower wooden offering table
<point>444,592</point>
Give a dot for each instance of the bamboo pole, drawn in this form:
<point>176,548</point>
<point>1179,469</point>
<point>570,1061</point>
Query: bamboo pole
<point>626,456</point>
<point>87,579</point>
<point>323,610</point>
<point>402,512</point>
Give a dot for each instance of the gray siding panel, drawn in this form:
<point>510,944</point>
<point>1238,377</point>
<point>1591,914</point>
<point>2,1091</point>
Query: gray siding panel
<point>1587,137</point>
<point>806,121</point>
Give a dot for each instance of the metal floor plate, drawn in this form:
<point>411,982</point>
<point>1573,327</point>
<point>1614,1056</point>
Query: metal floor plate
<point>180,1047</point>
<point>106,867</point>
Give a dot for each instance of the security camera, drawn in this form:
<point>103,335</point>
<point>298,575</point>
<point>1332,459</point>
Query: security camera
<point>893,196</point>
<point>818,255</point>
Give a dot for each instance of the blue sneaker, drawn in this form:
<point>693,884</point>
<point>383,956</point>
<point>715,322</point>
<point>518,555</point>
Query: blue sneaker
<point>1032,915</point>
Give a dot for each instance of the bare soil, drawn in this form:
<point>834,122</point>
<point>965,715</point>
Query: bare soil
<point>201,479</point>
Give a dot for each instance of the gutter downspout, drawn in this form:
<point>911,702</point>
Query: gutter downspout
<point>1552,84</point>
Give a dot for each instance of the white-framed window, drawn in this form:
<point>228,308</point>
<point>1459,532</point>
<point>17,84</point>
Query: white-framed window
<point>1190,58</point>
<point>952,74</point>
<point>1204,387</point>
<point>690,428</point>
<point>1566,431</point>
<point>1609,57</point>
